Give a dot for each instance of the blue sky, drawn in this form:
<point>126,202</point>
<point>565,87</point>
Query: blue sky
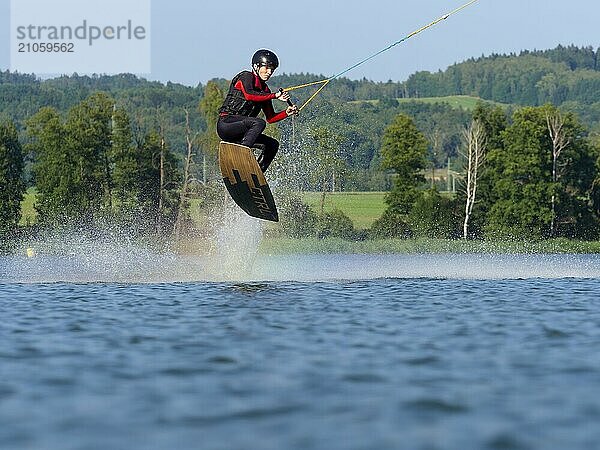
<point>194,41</point>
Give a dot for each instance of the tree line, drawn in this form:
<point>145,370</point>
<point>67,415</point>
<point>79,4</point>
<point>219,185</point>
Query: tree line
<point>90,166</point>
<point>534,174</point>
<point>96,166</point>
<point>564,76</point>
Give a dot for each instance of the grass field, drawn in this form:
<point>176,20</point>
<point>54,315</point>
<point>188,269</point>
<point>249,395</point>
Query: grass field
<point>456,101</point>
<point>362,207</point>
<point>28,213</point>
<point>466,102</point>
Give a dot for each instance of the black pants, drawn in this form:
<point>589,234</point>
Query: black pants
<point>247,131</point>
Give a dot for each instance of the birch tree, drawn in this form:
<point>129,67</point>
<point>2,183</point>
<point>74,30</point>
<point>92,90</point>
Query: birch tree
<point>476,144</point>
<point>326,160</point>
<point>162,180</point>
<point>435,138</point>
<point>188,178</point>
<point>532,199</point>
<point>560,141</point>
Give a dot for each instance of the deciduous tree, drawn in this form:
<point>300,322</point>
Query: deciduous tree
<point>404,150</point>
<point>526,185</point>
<point>209,109</point>
<point>125,174</point>
<point>325,161</point>
<point>88,139</point>
<point>475,143</point>
<point>12,186</point>
<point>54,168</point>
<point>560,140</point>
<point>183,206</point>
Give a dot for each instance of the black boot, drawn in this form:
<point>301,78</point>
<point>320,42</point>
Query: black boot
<point>261,156</point>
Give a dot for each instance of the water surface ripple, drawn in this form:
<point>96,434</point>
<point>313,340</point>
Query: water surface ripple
<point>420,363</point>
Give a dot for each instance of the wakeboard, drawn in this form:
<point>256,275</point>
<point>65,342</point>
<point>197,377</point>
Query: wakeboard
<point>245,182</point>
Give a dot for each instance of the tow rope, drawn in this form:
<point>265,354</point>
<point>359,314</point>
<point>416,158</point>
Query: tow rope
<point>326,81</point>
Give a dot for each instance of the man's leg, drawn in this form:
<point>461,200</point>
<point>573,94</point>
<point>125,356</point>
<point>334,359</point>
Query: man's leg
<point>240,129</point>
<point>267,156</point>
<point>255,127</point>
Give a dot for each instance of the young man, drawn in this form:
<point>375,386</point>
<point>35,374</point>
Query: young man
<point>247,96</point>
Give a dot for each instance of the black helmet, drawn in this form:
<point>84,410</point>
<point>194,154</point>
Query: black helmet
<point>265,58</point>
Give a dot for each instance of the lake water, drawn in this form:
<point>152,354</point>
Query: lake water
<point>141,351</point>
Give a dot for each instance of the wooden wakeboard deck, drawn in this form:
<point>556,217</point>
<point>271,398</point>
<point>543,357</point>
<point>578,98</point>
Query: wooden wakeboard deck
<point>245,182</point>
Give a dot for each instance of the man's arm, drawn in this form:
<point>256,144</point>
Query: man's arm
<point>246,85</point>
<point>270,114</point>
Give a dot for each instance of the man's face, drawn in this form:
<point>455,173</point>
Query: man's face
<point>265,72</point>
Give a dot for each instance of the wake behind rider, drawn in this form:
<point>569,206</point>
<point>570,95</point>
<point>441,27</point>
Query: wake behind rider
<point>249,94</point>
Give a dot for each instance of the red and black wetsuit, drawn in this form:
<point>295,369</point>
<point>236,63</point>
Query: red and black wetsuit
<point>238,121</point>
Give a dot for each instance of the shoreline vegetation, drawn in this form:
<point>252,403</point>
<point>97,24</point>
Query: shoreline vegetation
<point>276,246</point>
<point>281,246</point>
<point>363,208</point>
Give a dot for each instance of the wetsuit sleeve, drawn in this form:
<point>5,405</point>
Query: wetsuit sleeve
<point>246,85</point>
<point>270,114</point>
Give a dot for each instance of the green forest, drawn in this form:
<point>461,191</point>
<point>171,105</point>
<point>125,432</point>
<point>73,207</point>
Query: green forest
<point>497,146</point>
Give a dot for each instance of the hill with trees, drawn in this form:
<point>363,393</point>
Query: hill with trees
<point>565,76</point>
<point>568,77</point>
